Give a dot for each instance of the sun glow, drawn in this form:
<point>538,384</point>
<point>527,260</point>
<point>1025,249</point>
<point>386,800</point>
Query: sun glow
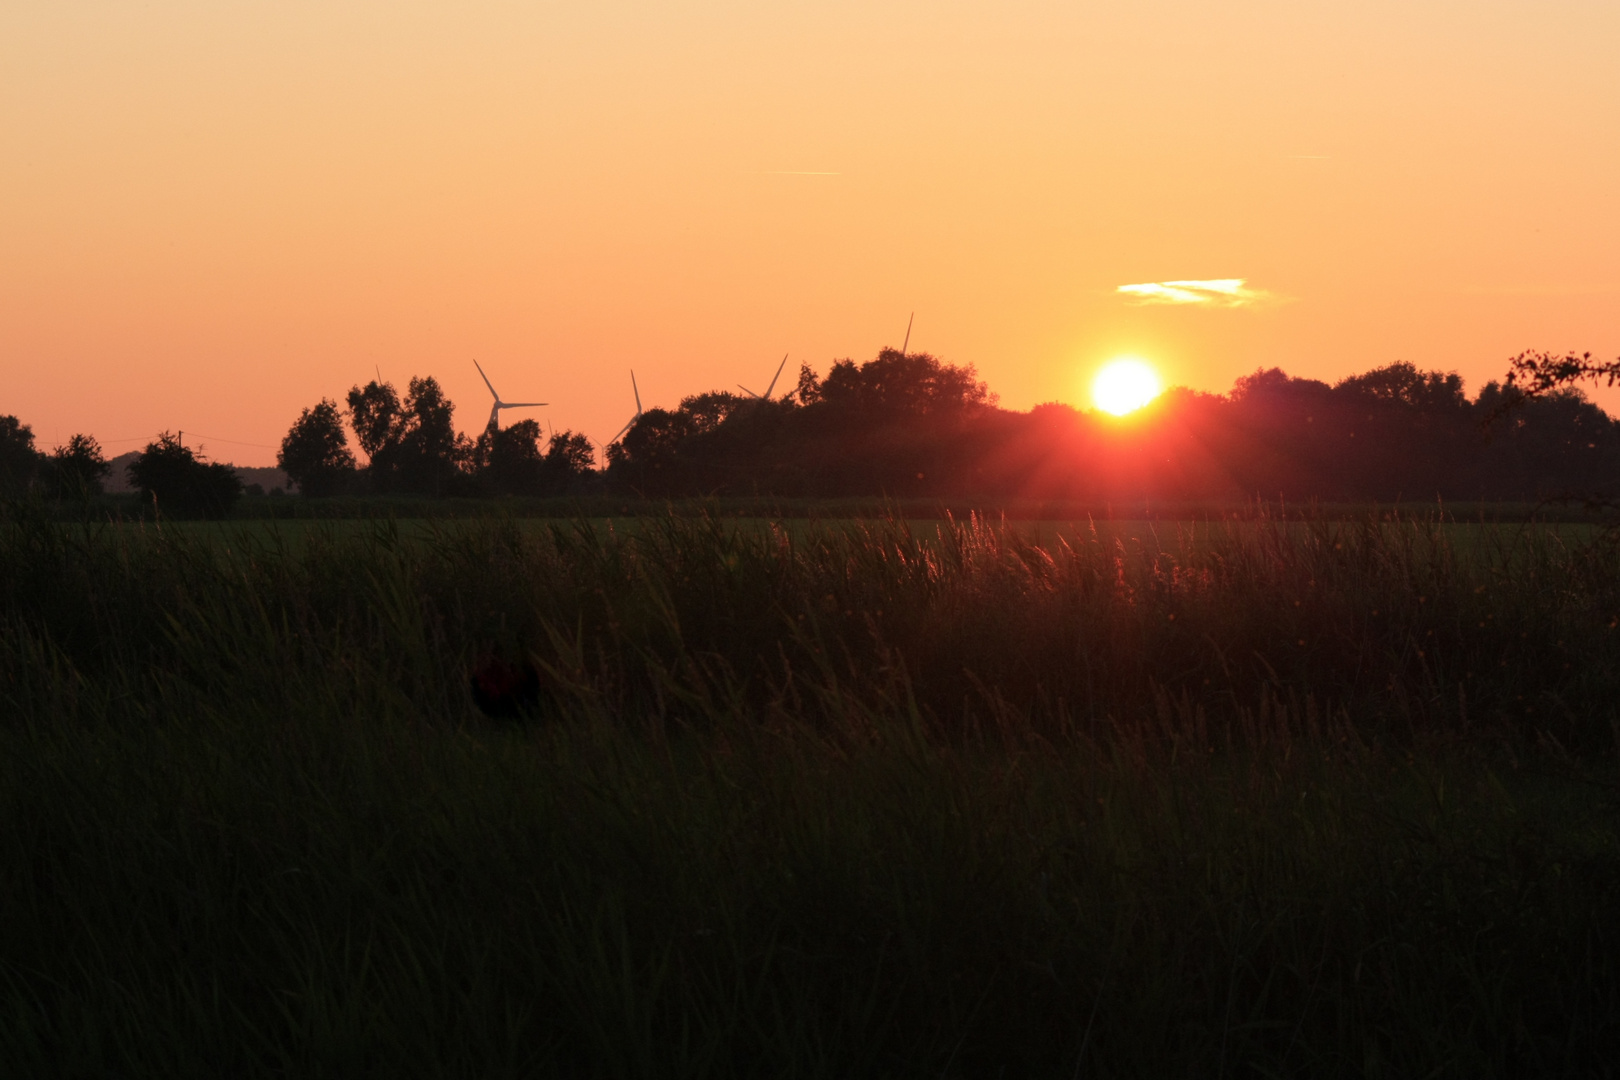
<point>1124,386</point>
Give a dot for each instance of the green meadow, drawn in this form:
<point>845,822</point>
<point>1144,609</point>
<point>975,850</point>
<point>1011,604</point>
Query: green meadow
<point>1313,794</point>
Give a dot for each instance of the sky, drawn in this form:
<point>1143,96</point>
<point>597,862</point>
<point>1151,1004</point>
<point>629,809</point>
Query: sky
<point>213,214</point>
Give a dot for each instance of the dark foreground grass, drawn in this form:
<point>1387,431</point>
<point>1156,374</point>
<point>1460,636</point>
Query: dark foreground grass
<point>1315,799</point>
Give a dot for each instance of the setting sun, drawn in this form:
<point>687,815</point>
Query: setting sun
<point>1124,386</point>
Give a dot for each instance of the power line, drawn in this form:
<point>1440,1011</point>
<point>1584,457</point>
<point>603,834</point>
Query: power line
<point>195,435</point>
<point>234,442</point>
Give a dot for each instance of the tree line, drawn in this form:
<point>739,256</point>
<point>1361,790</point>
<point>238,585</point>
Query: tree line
<point>910,425</point>
<point>907,424</point>
<point>167,475</point>
<point>411,446</point>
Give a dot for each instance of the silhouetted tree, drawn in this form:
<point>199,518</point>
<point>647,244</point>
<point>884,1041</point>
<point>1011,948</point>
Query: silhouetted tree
<point>510,458</point>
<point>377,418</point>
<point>431,453</point>
<point>1549,440</point>
<point>509,461</point>
<point>897,383</point>
<point>1275,388</point>
<point>1401,383</point>
<point>570,460</point>
<point>1533,374</point>
<point>172,478</point>
<point>315,451</point>
<point>410,446</point>
<point>75,471</point>
<point>907,425</point>
<point>19,461</point>
<point>808,389</point>
<point>379,426</point>
<point>902,423</point>
<point>647,457</point>
<point>709,411</point>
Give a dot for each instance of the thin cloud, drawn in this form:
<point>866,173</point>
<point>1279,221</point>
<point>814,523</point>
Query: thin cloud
<point>1217,292</point>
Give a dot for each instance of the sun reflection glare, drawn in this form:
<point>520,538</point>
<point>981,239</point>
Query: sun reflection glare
<point>1125,385</point>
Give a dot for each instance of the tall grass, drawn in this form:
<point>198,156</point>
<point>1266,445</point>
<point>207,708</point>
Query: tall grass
<point>1266,798</point>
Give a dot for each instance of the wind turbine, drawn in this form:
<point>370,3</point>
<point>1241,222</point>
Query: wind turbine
<point>495,412</point>
<point>637,391</point>
<point>766,396</point>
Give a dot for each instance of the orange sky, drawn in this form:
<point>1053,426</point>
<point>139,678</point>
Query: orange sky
<point>212,214</point>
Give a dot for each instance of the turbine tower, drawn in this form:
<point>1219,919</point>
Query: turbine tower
<point>637,391</point>
<point>766,396</point>
<point>495,412</point>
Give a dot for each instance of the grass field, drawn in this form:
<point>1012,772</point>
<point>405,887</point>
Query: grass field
<point>129,506</point>
<point>1325,796</point>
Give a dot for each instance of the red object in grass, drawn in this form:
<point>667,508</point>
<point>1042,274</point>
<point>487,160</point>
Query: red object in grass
<point>504,689</point>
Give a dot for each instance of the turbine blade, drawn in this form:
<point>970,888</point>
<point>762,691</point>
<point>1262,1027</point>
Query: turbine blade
<point>637,390</point>
<point>747,391</point>
<point>487,383</point>
<point>778,375</point>
<point>907,344</point>
<point>624,429</point>
<point>522,404</point>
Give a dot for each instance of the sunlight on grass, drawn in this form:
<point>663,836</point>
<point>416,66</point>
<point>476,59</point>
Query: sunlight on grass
<point>1267,797</point>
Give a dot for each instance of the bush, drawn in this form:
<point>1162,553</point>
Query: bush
<point>175,481</point>
<point>19,461</point>
<point>75,471</point>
